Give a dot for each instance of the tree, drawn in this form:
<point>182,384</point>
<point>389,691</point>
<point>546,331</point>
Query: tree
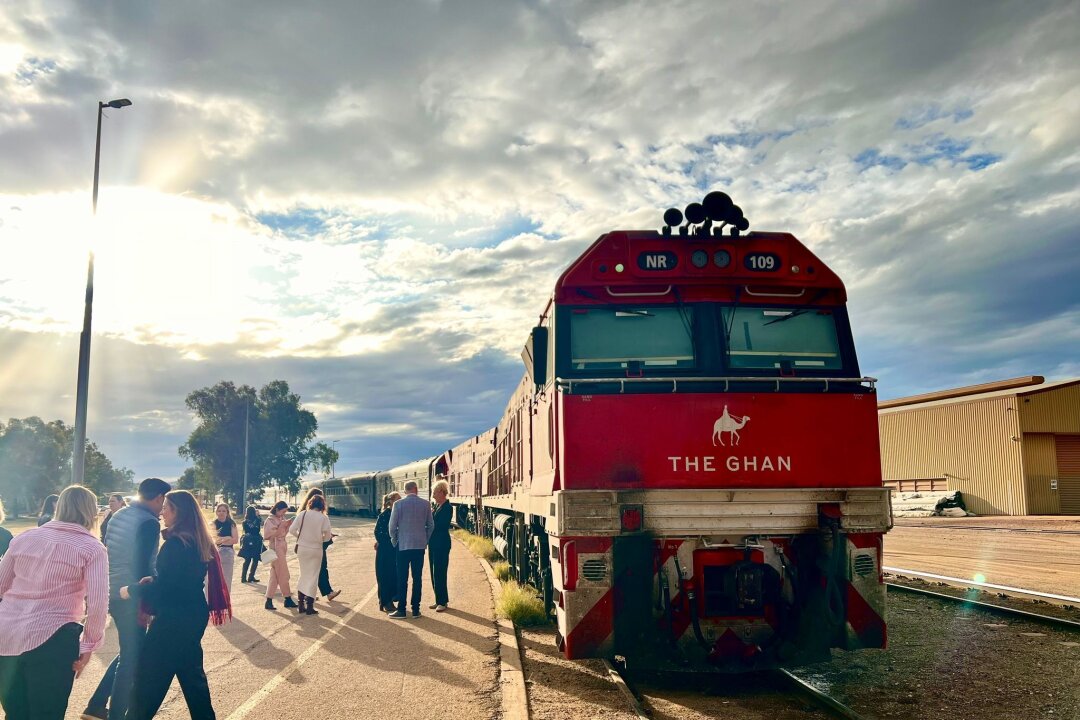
<point>186,481</point>
<point>35,460</point>
<point>323,458</point>
<point>279,430</point>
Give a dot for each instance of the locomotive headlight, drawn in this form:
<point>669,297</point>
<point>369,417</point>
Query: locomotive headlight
<point>721,258</point>
<point>699,258</point>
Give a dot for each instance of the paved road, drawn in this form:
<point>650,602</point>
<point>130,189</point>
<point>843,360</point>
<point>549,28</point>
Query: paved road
<point>350,661</point>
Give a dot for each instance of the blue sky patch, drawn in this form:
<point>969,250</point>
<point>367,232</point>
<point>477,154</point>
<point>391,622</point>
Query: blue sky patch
<point>872,157</point>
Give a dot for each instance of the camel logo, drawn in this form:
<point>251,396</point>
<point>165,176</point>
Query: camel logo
<point>728,423</point>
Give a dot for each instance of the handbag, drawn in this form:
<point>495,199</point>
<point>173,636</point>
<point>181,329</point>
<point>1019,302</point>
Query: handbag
<point>296,547</point>
<point>268,556</point>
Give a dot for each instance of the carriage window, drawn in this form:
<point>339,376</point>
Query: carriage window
<point>611,338</point>
<point>765,337</point>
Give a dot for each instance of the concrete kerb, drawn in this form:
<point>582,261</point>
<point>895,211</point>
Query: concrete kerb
<point>515,701</point>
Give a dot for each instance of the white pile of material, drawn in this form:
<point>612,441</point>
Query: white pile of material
<point>921,504</point>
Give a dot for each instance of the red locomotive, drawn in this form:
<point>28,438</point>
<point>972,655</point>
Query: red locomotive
<point>689,469</point>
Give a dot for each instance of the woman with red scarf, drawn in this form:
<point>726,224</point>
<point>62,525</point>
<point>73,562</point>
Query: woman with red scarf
<point>180,611</point>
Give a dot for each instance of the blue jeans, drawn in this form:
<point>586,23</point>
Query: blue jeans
<point>120,675</point>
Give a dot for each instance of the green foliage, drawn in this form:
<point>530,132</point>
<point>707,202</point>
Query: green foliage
<point>479,546</point>
<point>323,458</point>
<point>502,571</point>
<point>186,481</point>
<point>521,605</point>
<point>279,430</point>
<point>35,461</point>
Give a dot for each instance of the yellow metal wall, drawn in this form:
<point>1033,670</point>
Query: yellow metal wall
<point>1040,465</point>
<point>1052,411</point>
<point>969,442</point>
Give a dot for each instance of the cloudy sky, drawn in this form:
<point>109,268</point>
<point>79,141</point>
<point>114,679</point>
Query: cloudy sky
<point>370,200</point>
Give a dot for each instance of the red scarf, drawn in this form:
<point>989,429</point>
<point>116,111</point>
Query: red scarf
<point>217,592</point>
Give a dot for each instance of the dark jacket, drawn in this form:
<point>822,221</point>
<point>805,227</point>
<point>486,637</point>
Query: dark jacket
<point>251,542</point>
<point>5,540</point>
<point>382,530</point>
<point>440,536</point>
<point>177,590</point>
<point>134,533</point>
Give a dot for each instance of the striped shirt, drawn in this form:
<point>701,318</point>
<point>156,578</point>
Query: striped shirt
<point>50,576</point>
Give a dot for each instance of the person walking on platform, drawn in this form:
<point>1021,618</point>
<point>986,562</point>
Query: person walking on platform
<point>386,556</point>
<point>225,537</point>
<point>48,507</point>
<point>51,578</point>
<point>439,544</point>
<point>274,531</point>
<point>251,544</point>
<point>311,528</point>
<point>410,528</point>
<point>132,541</point>
<point>325,588</point>
<point>116,501</point>
<point>188,560</point>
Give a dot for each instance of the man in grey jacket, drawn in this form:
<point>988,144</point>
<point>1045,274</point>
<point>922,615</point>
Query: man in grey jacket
<point>410,529</point>
<point>132,541</point>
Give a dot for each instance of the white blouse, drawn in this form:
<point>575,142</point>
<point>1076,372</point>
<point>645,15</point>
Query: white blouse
<point>311,528</point>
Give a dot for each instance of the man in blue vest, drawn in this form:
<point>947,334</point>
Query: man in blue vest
<point>411,525</point>
<point>132,541</point>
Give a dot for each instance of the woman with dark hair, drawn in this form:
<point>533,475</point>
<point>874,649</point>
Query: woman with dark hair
<point>251,544</point>
<point>311,528</point>
<point>386,556</point>
<point>116,501</point>
<point>48,507</point>
<point>174,597</point>
<point>325,588</point>
<point>52,580</point>
<point>274,531</point>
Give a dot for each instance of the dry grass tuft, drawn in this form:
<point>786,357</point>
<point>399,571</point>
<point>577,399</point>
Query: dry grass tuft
<point>520,605</point>
<point>502,571</point>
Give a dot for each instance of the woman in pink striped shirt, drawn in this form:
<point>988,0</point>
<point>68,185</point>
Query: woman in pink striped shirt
<point>50,579</point>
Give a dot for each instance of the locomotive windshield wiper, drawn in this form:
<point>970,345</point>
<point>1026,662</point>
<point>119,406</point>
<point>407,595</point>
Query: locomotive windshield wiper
<point>787,317</point>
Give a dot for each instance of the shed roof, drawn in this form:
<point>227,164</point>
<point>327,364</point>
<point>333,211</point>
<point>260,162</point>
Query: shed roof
<point>1034,385</point>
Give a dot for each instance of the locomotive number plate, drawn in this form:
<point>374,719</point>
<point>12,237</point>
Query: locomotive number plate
<point>762,262</point>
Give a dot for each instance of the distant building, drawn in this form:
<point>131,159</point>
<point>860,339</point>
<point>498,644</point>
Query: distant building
<point>1011,447</point>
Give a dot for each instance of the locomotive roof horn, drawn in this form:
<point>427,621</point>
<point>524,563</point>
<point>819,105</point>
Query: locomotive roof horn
<point>716,207</point>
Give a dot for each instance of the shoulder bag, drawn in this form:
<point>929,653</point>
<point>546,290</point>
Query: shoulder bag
<point>296,547</point>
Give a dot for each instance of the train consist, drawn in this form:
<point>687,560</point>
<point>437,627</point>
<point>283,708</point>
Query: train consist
<point>688,470</point>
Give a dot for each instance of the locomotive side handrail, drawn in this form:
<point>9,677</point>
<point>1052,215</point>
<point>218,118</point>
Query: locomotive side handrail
<point>567,384</point>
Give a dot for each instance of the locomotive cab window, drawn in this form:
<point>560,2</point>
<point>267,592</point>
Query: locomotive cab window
<point>760,337</point>
<point>657,338</point>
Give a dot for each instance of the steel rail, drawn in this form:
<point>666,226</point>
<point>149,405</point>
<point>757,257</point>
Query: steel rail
<point>823,699</point>
<point>620,682</point>
<point>989,607</point>
<point>963,582</point>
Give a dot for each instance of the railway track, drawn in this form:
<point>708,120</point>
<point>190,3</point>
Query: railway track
<point>988,607</point>
<point>795,685</point>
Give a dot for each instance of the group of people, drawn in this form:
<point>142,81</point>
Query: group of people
<point>58,583</point>
<point>405,529</point>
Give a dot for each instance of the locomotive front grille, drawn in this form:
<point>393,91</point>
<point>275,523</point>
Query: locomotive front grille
<point>864,565</point>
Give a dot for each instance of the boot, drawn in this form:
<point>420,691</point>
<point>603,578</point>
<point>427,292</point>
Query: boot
<point>310,610</point>
<point>289,602</point>
<point>303,602</point>
<point>270,604</point>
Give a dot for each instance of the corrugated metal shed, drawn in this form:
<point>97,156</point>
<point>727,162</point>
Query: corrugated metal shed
<point>997,443</point>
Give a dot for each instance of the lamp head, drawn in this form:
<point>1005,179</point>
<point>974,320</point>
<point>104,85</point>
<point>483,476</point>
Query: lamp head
<point>118,103</point>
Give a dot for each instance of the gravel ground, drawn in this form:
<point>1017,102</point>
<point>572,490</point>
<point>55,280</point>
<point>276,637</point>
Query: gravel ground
<point>947,662</point>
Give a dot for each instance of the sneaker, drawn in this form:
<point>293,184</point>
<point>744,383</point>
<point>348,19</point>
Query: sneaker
<point>333,595</point>
<point>440,608</point>
<point>432,606</point>
<point>397,615</point>
<point>416,613</point>
<point>89,714</point>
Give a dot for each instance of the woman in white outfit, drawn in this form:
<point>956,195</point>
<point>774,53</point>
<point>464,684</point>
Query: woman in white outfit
<point>311,528</point>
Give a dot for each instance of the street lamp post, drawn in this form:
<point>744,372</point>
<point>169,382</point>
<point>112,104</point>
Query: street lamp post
<point>78,458</point>
<point>333,446</point>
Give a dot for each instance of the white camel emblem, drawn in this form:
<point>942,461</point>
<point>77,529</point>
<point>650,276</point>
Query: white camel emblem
<point>728,424</point>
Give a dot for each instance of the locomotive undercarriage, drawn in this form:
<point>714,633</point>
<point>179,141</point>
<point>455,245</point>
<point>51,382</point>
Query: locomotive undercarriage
<point>719,595</point>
